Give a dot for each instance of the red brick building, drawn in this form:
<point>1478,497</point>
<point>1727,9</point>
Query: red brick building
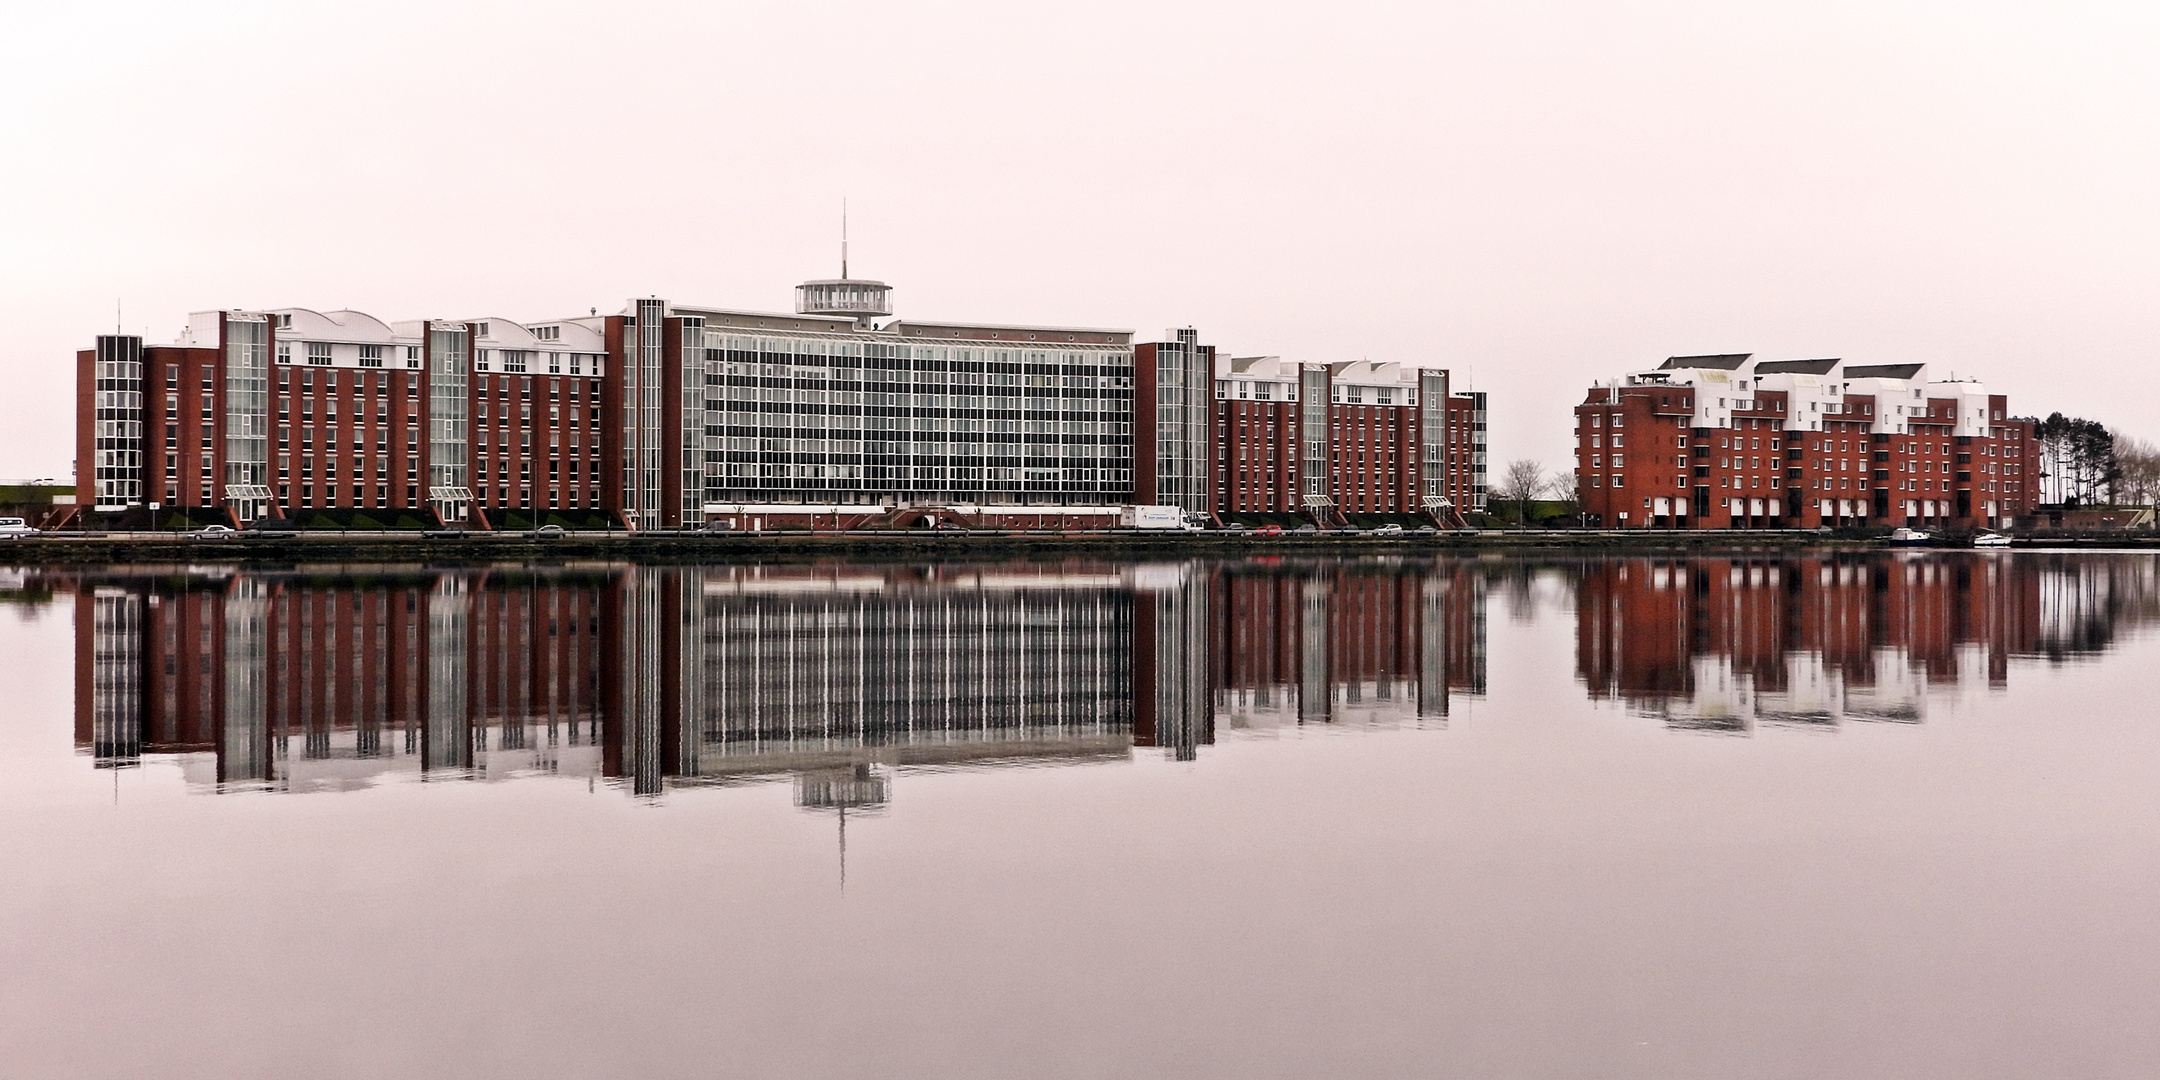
<point>1331,440</point>
<point>266,414</point>
<point>1729,442</point>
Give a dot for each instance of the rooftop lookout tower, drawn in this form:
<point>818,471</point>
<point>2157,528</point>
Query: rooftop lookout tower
<point>851,297</point>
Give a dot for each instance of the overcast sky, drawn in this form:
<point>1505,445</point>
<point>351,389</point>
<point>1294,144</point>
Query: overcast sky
<point>1535,195</point>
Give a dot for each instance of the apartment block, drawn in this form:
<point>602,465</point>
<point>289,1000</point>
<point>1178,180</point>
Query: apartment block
<point>1727,441</point>
<point>1329,440</point>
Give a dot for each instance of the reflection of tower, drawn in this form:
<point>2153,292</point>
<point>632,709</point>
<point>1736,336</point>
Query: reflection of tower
<point>654,623</point>
<point>116,653</point>
<point>1173,705</point>
<point>244,723</point>
<point>1432,689</point>
<point>447,734</point>
<point>1314,684</point>
<point>637,668</point>
<point>686,618</point>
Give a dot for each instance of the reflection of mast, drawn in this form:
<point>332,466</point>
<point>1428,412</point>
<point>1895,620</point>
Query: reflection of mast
<point>858,786</point>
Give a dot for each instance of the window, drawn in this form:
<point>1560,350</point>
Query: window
<point>371,356</point>
<point>318,353</point>
<point>546,333</point>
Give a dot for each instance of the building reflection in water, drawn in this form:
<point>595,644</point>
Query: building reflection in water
<point>1726,644</point>
<point>831,676</point>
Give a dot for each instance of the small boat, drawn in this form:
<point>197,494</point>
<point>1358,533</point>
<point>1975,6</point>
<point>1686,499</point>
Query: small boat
<point>1910,537</point>
<point>1991,540</point>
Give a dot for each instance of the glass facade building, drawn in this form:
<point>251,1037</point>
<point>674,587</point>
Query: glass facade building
<point>1176,422</point>
<point>806,410</point>
<point>449,430</point>
<point>247,415</point>
<point>117,419</point>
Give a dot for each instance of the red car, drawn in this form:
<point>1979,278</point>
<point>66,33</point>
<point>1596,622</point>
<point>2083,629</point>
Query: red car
<point>1268,530</point>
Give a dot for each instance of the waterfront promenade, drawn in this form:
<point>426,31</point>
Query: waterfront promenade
<point>667,546</point>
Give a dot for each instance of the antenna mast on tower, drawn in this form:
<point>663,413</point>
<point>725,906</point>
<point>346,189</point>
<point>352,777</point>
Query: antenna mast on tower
<point>862,301</point>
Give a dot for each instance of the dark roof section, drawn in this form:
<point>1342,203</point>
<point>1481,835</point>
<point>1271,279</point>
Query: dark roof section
<point>1883,371</point>
<point>1796,367</point>
<point>1721,362</point>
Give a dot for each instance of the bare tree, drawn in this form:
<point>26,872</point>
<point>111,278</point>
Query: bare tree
<point>1563,488</point>
<point>2139,463</point>
<point>1522,482</point>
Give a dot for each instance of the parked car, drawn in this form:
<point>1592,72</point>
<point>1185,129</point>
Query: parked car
<point>1388,530</point>
<point>1268,530</point>
<point>548,532</point>
<point>1425,530</point>
<point>1308,527</point>
<point>214,532</point>
<point>273,525</point>
<point>15,528</point>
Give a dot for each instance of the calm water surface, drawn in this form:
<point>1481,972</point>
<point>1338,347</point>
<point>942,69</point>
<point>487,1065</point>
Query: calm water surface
<point>1795,816</point>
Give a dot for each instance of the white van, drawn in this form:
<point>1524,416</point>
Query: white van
<point>14,528</point>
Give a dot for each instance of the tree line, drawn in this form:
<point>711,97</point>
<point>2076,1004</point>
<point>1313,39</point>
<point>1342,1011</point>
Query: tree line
<point>2083,462</point>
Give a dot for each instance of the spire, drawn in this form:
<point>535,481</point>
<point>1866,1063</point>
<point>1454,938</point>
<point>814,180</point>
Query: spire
<point>843,238</point>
